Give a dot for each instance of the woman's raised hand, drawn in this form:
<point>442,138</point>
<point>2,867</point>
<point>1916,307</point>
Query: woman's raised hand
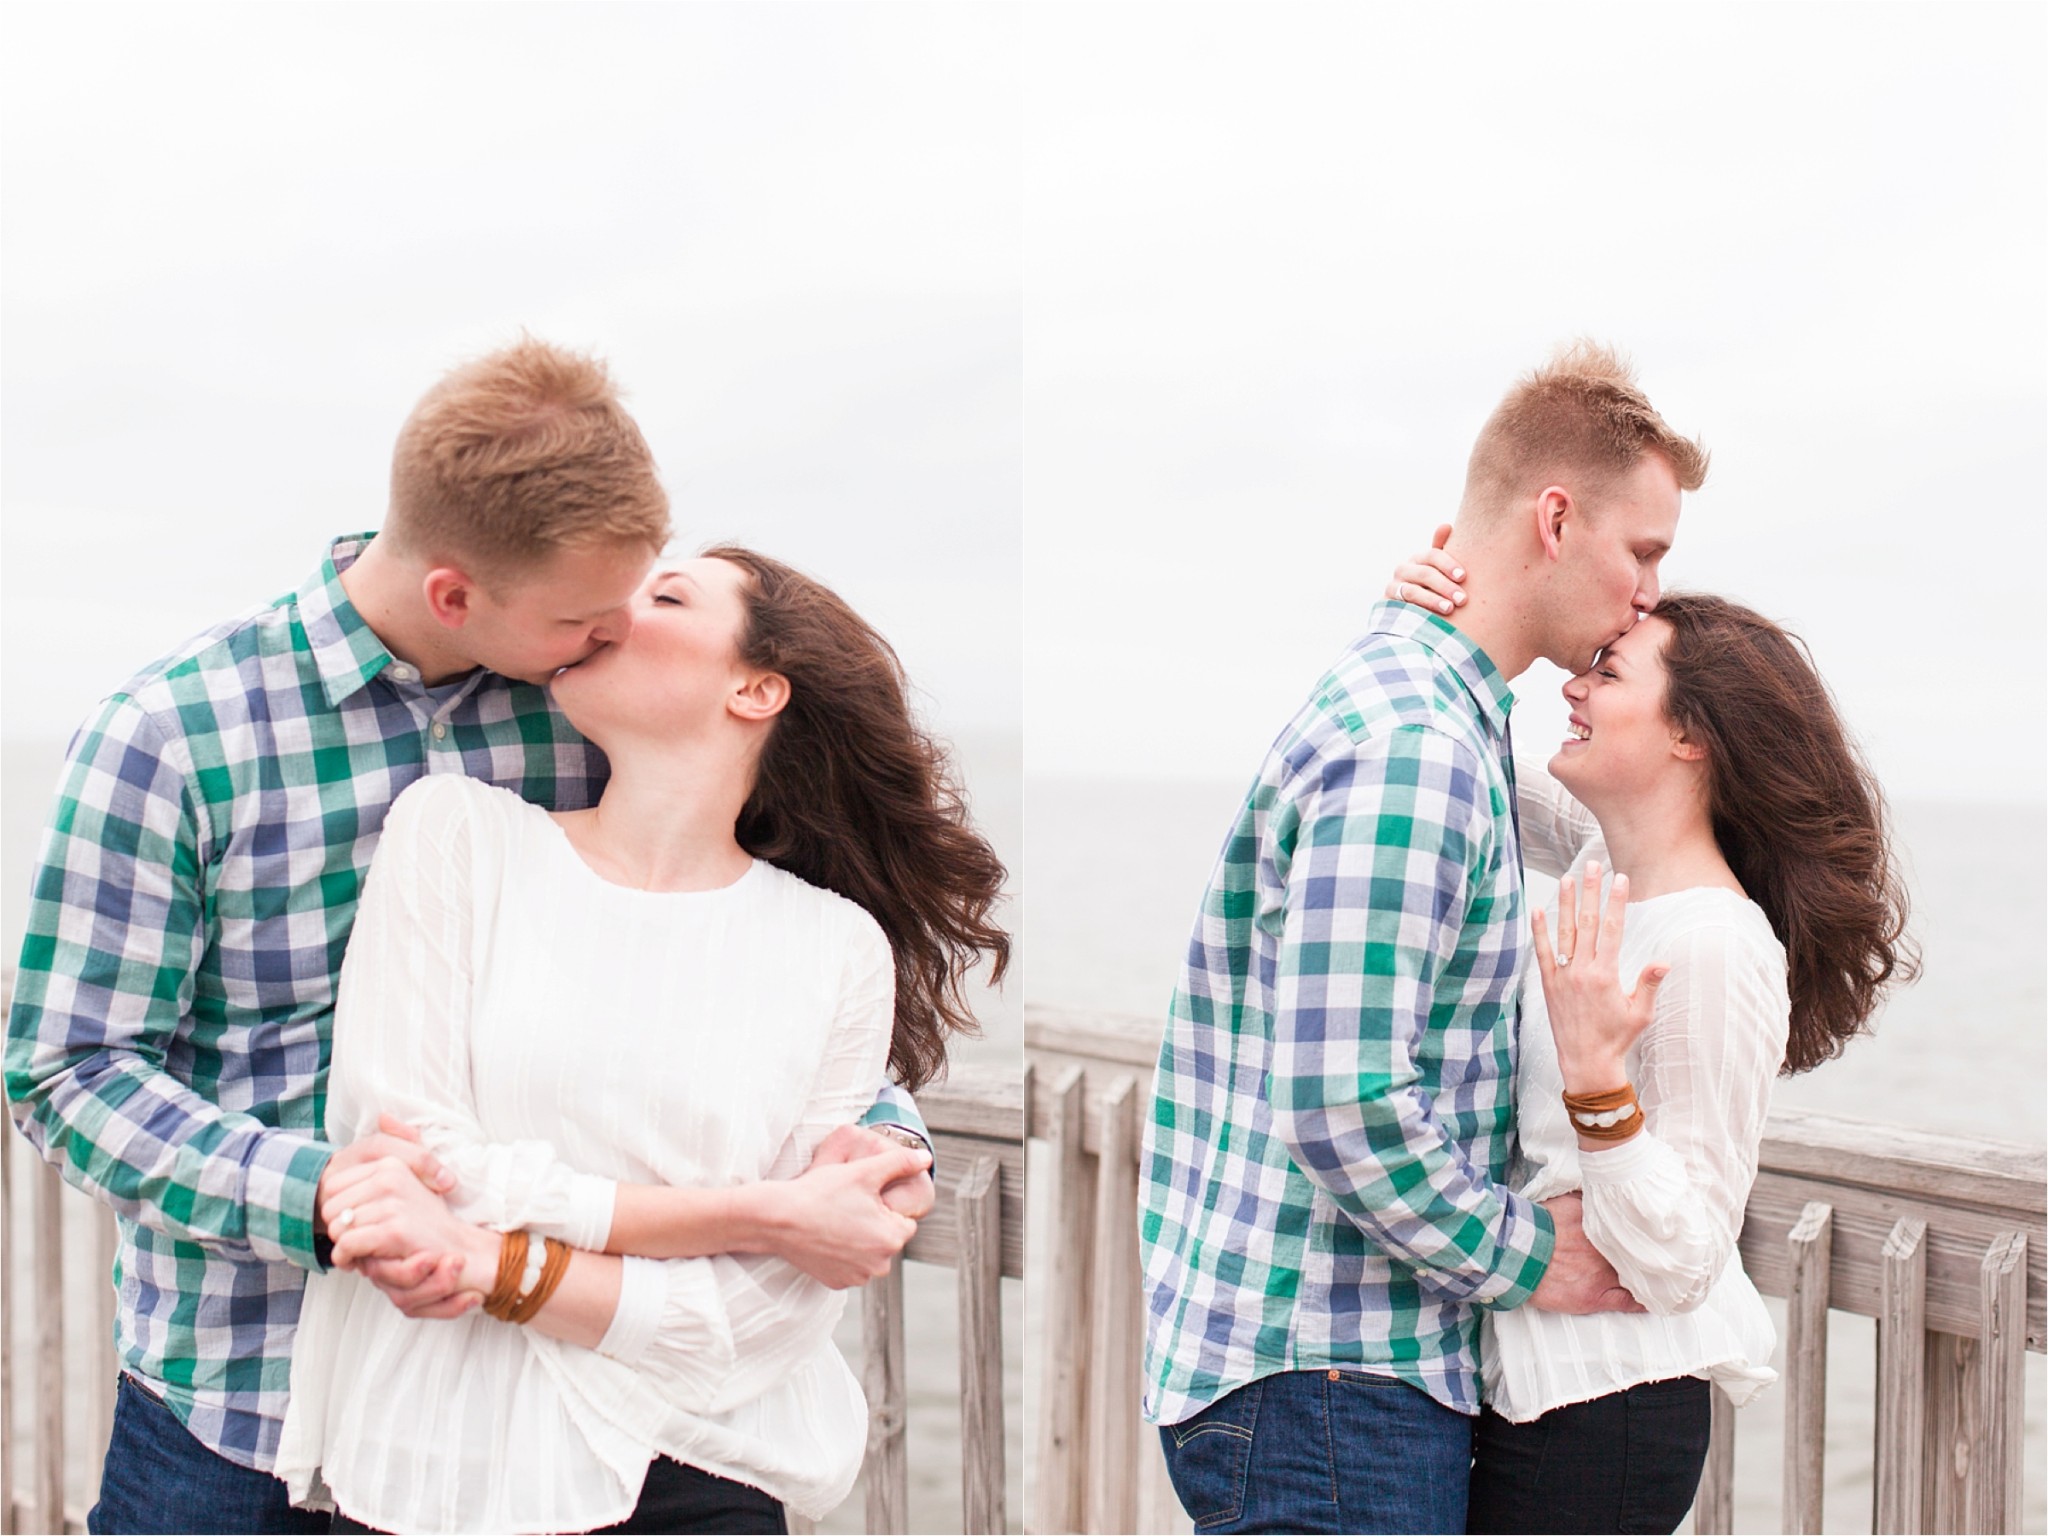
<point>1430,579</point>
<point>1592,1020</point>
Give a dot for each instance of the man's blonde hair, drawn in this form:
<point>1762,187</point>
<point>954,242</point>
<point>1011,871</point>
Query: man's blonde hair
<point>518,455</point>
<point>1577,420</point>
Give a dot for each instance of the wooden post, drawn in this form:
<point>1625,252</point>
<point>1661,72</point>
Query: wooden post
<point>48,1257</point>
<point>1713,1507</point>
<point>7,1524</point>
<point>1062,1427</point>
<point>105,1359</point>
<point>1116,1331</point>
<point>1954,1404</point>
<point>1806,1366</point>
<point>978,1204</point>
<point>887,1470</point>
<point>1999,1470</point>
<point>1901,1381</point>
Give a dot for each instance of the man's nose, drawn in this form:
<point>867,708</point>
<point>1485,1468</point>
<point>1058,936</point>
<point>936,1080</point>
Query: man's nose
<point>614,626</point>
<point>1648,593</point>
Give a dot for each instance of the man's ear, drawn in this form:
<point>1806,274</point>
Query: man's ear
<point>1554,506</point>
<point>449,592</point>
<point>761,697</point>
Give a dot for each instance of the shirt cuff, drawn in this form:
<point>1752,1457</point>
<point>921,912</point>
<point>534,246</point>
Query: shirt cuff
<point>587,1223</point>
<point>1527,1239</point>
<point>280,1183</point>
<point>1620,1163</point>
<point>643,1286</point>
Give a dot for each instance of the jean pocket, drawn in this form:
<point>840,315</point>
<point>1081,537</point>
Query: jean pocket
<point>1209,1457</point>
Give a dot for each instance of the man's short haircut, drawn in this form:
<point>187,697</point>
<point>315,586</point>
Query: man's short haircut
<point>1578,421</point>
<point>518,455</point>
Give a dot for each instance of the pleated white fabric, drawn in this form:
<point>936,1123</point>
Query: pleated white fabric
<point>550,1034</point>
<point>1664,1207</point>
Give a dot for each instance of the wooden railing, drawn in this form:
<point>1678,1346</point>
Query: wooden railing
<point>976,1230</point>
<point>1939,1238</point>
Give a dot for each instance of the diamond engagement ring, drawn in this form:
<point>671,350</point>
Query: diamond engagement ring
<point>344,1221</point>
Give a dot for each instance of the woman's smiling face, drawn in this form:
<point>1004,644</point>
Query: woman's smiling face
<point>1620,741</point>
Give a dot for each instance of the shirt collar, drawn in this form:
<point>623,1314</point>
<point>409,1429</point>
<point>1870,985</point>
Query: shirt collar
<point>1473,667</point>
<point>346,651</point>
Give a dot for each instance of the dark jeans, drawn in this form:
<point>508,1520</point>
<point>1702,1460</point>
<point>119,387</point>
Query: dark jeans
<point>1329,1450</point>
<point>680,1498</point>
<point>158,1477</point>
<point>1629,1461</point>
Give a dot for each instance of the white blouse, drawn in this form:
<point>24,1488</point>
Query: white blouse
<point>1664,1207</point>
<point>533,1019</point>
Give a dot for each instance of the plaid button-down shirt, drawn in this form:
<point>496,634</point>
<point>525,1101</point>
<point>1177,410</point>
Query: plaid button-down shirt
<point>1331,1120</point>
<point>168,1044</point>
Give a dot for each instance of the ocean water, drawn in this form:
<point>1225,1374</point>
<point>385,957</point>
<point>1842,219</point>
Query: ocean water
<point>1117,868</point>
<point>990,766</point>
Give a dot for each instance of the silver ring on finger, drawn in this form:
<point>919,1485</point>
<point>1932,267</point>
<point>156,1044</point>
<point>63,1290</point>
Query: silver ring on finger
<point>1400,591</point>
<point>1564,959</point>
<point>344,1221</point>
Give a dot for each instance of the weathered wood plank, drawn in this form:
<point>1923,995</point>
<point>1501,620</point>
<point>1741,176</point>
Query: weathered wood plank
<point>937,1239</point>
<point>106,1240</point>
<point>1957,1236</point>
<point>886,1471</point>
<point>7,1310</point>
<point>48,1259</point>
<point>1062,1429</point>
<point>1954,1406</point>
<point>980,1279</point>
<point>982,1101</point>
<point>1117,1327</point>
<point>2000,1471</point>
<point>1901,1382</point>
<point>1806,1367</point>
<point>1713,1507</point>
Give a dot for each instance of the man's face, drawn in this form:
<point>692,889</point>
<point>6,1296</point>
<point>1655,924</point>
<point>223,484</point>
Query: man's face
<point>1609,550</point>
<point>558,613</point>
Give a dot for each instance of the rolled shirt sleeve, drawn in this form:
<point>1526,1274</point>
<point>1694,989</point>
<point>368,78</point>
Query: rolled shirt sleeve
<point>1384,851</point>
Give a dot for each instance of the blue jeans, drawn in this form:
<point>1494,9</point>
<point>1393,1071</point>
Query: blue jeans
<point>158,1477</point>
<point>1328,1450</point>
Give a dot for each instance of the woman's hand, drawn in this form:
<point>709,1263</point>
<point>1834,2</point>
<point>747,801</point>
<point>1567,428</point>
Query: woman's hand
<point>1430,579</point>
<point>1592,1020</point>
<point>383,1220</point>
<point>833,1221</point>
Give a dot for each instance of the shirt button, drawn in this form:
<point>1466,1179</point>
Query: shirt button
<point>403,673</point>
<point>440,730</point>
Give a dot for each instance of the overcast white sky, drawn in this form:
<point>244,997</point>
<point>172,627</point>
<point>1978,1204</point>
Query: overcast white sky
<point>241,240</point>
<point>1281,263</point>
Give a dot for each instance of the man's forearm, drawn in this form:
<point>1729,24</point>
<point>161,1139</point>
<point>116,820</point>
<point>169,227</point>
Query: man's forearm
<point>129,1134</point>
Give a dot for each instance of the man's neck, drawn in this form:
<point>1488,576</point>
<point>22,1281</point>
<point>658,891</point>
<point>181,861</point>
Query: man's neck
<point>1498,614</point>
<point>386,592</point>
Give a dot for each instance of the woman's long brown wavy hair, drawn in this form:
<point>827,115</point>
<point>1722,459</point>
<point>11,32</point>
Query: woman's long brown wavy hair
<point>851,794</point>
<point>1799,818</point>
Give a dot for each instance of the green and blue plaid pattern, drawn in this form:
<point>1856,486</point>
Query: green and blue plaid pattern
<point>169,1041</point>
<point>1331,1118</point>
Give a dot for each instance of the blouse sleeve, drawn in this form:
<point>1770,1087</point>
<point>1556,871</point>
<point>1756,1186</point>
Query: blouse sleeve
<point>1556,829</point>
<point>714,1332</point>
<point>402,1020</point>
<point>1665,1207</point>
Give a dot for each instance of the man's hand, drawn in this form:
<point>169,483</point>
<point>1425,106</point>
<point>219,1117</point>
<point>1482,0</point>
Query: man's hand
<point>913,1196</point>
<point>833,1222</point>
<point>1579,1280</point>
